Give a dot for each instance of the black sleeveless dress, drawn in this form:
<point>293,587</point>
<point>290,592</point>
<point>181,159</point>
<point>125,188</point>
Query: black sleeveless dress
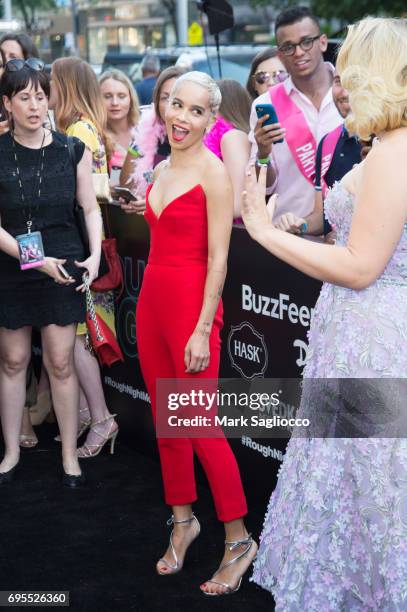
<point>30,297</point>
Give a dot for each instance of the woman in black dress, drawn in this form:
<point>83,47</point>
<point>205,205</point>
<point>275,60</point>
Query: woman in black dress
<point>37,192</point>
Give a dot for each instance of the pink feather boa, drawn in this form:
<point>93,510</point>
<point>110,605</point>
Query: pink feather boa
<point>213,139</point>
<point>150,132</point>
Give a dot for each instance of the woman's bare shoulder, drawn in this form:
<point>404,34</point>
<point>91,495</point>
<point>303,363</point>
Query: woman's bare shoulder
<point>386,160</point>
<point>383,167</point>
<point>216,177</point>
<point>159,168</point>
<point>215,168</point>
<point>352,178</point>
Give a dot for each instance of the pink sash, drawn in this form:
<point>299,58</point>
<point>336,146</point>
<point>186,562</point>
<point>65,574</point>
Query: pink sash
<point>328,148</point>
<point>299,137</point>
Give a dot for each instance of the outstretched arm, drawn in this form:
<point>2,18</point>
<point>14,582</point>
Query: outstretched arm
<point>380,212</point>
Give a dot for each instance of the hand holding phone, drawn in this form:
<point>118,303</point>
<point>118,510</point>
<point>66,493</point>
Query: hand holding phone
<point>268,109</point>
<point>126,194</point>
<point>63,271</point>
<point>135,206</point>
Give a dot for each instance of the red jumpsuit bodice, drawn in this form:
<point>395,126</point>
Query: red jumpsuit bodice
<point>179,236</point>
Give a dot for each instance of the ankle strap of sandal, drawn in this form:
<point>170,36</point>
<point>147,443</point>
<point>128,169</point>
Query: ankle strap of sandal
<point>248,542</point>
<point>235,543</point>
<point>105,420</point>
<point>172,521</point>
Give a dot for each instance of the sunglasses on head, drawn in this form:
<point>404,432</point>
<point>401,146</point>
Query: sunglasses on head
<point>14,65</point>
<point>262,77</point>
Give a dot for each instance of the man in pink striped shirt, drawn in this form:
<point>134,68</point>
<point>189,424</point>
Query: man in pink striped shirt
<point>309,90</point>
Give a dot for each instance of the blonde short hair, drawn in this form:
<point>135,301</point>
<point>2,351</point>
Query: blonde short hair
<point>203,79</point>
<point>372,63</point>
<point>117,75</point>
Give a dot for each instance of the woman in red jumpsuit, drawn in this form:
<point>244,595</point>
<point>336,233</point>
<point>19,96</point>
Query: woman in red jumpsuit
<point>179,317</point>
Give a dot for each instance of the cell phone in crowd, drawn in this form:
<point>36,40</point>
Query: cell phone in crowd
<point>126,194</point>
<point>64,272</point>
<point>268,109</point>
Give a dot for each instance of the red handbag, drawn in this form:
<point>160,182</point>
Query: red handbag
<point>114,276</point>
<point>100,339</point>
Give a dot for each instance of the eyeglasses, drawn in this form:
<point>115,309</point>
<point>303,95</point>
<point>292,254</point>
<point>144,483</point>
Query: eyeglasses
<point>305,44</point>
<point>14,65</point>
<point>262,77</point>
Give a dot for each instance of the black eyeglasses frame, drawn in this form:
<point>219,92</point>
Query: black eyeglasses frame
<point>309,43</point>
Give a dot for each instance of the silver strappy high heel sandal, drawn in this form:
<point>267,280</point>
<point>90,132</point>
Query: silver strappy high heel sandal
<point>249,543</point>
<point>174,569</point>
<point>92,450</point>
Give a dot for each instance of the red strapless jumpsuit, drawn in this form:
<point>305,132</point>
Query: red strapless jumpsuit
<point>168,310</point>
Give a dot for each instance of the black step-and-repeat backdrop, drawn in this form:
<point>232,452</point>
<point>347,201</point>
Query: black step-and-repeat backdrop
<point>267,311</point>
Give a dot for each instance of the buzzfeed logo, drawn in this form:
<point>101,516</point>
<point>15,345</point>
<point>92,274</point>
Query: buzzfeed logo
<point>277,308</point>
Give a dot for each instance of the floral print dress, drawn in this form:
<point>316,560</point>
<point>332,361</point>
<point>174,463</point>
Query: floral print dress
<point>335,534</point>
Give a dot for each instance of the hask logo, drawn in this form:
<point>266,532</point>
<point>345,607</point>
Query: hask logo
<point>247,350</point>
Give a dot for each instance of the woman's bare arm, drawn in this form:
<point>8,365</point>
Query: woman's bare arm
<point>8,244</point>
<point>86,197</point>
<point>235,147</point>
<point>219,203</point>
<point>378,220</point>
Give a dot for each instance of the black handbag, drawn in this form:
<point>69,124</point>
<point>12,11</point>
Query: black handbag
<point>80,217</point>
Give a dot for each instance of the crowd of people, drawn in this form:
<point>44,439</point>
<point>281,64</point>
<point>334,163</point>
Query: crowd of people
<point>325,159</point>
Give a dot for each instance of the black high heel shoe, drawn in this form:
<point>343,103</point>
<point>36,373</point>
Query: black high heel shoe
<point>73,482</point>
<point>6,477</point>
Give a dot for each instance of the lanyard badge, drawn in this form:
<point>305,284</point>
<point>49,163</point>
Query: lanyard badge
<point>30,246</point>
<point>31,249</point>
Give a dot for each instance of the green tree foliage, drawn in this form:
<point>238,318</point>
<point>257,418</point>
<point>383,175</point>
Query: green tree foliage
<point>346,11</point>
<point>29,9</point>
<point>349,11</point>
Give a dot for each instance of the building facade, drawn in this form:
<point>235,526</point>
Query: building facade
<point>125,26</point>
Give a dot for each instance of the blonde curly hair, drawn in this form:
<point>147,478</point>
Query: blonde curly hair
<point>372,63</point>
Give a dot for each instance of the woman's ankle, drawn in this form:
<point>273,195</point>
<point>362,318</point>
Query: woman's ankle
<point>10,459</point>
<point>236,535</point>
<point>71,465</point>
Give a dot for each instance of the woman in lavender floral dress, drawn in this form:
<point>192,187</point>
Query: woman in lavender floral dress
<point>335,534</point>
